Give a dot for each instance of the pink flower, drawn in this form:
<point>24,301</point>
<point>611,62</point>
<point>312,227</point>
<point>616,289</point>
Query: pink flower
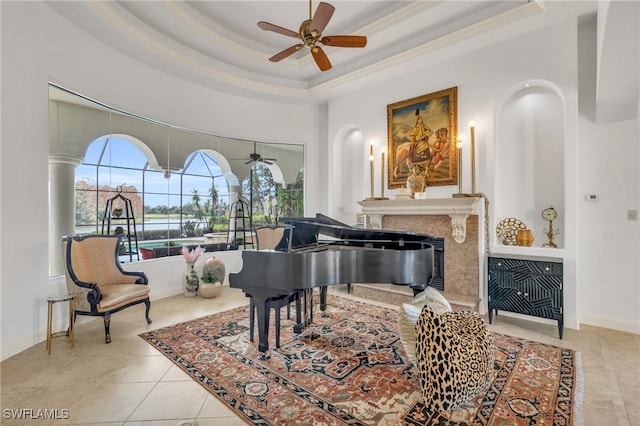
<point>190,256</point>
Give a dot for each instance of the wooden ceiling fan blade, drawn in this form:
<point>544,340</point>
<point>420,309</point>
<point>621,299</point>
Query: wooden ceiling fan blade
<point>321,58</point>
<point>321,18</point>
<point>286,52</point>
<point>344,41</point>
<point>277,29</point>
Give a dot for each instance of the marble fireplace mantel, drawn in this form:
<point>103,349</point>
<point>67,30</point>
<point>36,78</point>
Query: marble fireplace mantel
<point>458,221</point>
<point>458,209</point>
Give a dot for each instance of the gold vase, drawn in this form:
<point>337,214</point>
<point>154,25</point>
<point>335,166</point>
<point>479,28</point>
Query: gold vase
<point>416,181</point>
<point>524,238</point>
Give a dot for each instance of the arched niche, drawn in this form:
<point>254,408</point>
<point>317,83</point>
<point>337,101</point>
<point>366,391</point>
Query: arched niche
<point>529,158</point>
<point>348,173</point>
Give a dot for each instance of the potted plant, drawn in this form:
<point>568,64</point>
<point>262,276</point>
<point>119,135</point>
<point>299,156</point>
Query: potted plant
<point>212,278</point>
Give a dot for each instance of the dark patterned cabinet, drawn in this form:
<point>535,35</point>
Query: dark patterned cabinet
<point>526,285</point>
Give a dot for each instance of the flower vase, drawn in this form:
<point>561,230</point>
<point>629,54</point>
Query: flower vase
<point>191,281</point>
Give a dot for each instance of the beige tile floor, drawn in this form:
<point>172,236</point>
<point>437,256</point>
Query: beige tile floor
<point>127,382</point>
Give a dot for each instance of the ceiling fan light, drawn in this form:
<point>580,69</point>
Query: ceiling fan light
<point>310,33</point>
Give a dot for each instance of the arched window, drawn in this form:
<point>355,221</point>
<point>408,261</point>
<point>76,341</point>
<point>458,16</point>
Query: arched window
<point>180,182</point>
<point>205,196</point>
<point>269,199</point>
<point>169,207</point>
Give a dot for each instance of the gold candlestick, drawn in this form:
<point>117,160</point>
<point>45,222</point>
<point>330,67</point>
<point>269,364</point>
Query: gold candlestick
<point>382,175</point>
<point>371,171</point>
<point>472,146</point>
<point>371,168</point>
<point>459,146</point>
<point>472,149</point>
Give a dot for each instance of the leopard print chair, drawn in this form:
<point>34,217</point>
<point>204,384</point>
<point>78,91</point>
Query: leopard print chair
<point>454,353</point>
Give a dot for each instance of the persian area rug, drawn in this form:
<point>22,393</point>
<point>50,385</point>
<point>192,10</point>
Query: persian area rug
<point>349,368</point>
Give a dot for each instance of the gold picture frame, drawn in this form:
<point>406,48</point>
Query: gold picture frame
<point>423,131</point>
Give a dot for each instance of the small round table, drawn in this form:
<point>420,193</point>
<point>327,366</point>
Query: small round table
<point>69,331</point>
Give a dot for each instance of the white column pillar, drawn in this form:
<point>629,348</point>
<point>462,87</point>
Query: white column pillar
<point>62,207</point>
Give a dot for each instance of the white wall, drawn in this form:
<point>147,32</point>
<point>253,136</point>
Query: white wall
<point>609,293</point>
<point>39,46</point>
<point>484,78</point>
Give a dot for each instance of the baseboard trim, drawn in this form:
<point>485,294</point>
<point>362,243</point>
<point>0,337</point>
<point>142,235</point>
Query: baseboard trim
<point>25,342</point>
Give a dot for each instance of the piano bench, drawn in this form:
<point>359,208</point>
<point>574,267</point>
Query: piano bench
<point>276,304</point>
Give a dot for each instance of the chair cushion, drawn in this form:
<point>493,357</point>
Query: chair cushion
<point>93,260</point>
<point>116,295</point>
<point>409,313</point>
<point>454,353</point>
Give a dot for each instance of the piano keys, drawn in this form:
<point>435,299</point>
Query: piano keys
<point>318,252</point>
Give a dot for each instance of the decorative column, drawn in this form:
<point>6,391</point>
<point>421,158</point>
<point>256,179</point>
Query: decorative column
<point>62,207</point>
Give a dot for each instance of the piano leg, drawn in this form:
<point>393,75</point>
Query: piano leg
<point>304,310</point>
<point>252,318</point>
<point>309,307</point>
<point>323,298</point>
<point>263,307</point>
<point>297,327</point>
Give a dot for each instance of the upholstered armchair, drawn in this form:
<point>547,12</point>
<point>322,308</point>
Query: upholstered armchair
<point>96,277</point>
<point>268,237</point>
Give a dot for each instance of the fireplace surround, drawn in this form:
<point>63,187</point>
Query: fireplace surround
<point>458,221</point>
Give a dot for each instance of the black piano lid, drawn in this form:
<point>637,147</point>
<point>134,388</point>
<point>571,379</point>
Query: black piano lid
<point>306,231</point>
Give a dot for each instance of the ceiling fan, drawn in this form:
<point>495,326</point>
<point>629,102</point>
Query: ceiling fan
<point>257,158</point>
<point>310,34</point>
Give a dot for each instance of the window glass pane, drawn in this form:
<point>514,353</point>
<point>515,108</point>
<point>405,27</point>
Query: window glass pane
<point>86,173</point>
<point>123,153</point>
<point>94,151</point>
<point>156,188</point>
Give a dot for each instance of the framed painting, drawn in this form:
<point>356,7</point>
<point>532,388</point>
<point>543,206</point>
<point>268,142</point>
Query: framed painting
<point>423,132</point>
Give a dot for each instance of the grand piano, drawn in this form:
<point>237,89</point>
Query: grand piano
<point>320,251</point>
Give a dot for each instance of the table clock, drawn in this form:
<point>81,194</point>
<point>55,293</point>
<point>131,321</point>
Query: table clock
<point>550,214</point>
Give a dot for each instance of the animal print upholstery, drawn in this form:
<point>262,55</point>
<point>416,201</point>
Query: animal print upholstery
<point>409,313</point>
<point>454,353</point>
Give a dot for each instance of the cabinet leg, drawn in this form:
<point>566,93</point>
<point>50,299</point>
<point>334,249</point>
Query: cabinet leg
<point>560,328</point>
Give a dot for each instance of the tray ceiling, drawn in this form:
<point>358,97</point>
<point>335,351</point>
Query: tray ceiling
<point>218,44</point>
